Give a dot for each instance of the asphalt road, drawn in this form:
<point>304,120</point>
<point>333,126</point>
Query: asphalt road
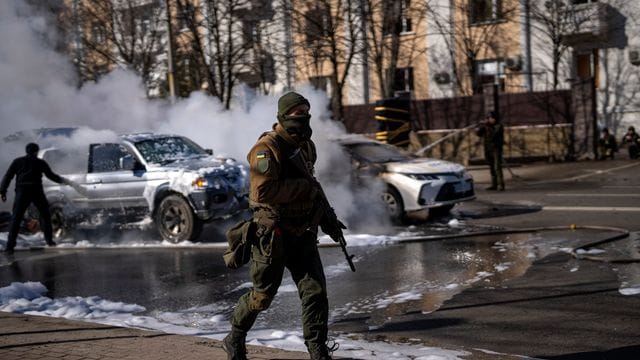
<point>545,303</point>
<point>561,307</point>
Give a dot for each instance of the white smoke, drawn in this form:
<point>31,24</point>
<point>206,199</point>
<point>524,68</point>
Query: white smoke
<point>40,91</point>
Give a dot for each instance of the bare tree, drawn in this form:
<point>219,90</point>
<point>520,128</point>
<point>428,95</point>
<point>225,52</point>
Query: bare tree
<point>619,81</point>
<point>550,20</point>
<point>223,39</point>
<point>395,39</point>
<point>329,42</point>
<point>125,33</point>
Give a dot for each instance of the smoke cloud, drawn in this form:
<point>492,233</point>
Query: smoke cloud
<point>40,91</point>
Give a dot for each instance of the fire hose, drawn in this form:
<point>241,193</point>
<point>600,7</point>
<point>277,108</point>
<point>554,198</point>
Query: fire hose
<point>621,234</point>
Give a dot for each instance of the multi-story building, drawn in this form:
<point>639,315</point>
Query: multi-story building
<point>360,51</point>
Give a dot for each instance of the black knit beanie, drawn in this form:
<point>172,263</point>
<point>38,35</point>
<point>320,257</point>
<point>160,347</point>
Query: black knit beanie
<point>288,101</point>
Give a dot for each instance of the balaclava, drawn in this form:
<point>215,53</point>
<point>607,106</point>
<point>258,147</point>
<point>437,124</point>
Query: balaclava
<point>298,126</point>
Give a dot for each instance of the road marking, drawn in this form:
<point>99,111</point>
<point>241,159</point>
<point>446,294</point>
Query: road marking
<point>578,177</point>
<point>600,172</point>
<point>590,208</point>
<point>594,195</point>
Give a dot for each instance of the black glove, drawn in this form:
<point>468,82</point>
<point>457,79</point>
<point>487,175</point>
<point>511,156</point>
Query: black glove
<point>332,227</point>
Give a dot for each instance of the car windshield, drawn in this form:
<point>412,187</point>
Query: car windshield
<point>378,153</point>
<point>168,149</point>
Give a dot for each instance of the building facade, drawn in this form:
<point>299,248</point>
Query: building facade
<point>360,51</point>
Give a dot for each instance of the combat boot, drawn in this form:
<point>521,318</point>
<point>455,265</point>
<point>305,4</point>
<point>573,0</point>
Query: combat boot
<point>234,344</point>
<point>319,352</point>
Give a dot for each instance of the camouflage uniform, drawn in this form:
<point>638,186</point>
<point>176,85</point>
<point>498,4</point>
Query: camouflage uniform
<point>283,209</point>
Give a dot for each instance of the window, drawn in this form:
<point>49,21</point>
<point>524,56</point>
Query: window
<point>320,83</point>
<point>403,80</point>
<point>98,33</point>
<point>106,157</point>
<point>396,17</point>
<point>185,16</point>
<point>486,72</point>
<point>250,33</point>
<point>316,25</point>
<point>168,149</point>
<point>483,11</point>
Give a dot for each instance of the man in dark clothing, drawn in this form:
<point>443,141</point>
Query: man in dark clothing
<point>28,171</point>
<point>492,131</point>
<point>632,140</point>
<point>607,145</point>
<point>282,201</point>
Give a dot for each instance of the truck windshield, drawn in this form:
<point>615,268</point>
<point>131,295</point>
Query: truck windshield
<point>168,149</point>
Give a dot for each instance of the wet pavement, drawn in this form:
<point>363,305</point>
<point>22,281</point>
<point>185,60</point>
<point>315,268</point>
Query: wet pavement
<point>519,293</point>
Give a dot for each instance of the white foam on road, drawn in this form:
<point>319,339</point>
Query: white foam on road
<point>29,298</point>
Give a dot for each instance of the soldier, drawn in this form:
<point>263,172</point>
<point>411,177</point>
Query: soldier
<point>28,171</point>
<point>282,201</point>
<point>607,145</point>
<point>492,131</point>
<point>632,140</point>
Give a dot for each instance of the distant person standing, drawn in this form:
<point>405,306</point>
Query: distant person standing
<point>607,145</point>
<point>632,140</point>
<point>492,132</point>
<point>28,171</point>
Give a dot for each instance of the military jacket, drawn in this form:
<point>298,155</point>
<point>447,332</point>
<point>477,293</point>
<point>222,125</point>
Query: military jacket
<point>274,182</point>
<point>493,136</point>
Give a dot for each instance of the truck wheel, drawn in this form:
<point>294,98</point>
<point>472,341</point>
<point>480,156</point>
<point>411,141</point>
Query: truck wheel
<point>176,221</point>
<point>395,207</point>
<point>59,222</point>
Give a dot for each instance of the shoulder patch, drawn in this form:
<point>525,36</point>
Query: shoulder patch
<point>263,164</point>
<point>262,155</point>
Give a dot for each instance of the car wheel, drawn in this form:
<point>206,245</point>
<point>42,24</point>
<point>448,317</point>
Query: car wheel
<point>176,221</point>
<point>395,207</point>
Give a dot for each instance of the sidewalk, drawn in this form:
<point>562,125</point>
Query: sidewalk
<point>28,337</point>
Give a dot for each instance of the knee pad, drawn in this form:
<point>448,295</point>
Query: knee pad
<point>260,301</point>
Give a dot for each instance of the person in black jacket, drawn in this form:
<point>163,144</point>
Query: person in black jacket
<point>28,171</point>
<point>492,132</point>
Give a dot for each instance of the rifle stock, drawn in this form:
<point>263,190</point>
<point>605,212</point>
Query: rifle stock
<point>337,236</point>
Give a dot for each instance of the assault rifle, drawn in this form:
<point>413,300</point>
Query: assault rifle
<point>325,208</point>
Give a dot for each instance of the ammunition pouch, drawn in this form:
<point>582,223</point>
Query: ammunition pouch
<point>240,238</point>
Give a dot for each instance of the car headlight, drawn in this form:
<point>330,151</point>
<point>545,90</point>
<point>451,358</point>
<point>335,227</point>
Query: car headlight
<point>204,183</point>
<point>421,177</point>
<point>200,183</point>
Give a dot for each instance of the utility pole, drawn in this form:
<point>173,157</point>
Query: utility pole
<point>170,71</point>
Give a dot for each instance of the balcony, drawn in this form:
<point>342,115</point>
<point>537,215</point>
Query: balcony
<point>585,23</point>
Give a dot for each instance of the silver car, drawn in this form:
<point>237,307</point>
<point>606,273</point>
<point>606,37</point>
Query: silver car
<point>167,178</point>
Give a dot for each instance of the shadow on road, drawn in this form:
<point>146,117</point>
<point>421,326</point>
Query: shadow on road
<point>623,353</point>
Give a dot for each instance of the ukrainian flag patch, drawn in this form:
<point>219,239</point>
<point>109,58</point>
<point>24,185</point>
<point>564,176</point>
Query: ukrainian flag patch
<point>261,155</point>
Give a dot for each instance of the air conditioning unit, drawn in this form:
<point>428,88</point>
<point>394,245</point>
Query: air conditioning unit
<point>442,78</point>
<point>514,63</point>
<point>634,56</point>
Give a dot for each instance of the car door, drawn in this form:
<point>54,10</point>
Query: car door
<point>110,185</point>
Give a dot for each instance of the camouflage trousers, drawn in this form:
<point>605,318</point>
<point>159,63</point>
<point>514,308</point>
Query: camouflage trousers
<point>272,253</point>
